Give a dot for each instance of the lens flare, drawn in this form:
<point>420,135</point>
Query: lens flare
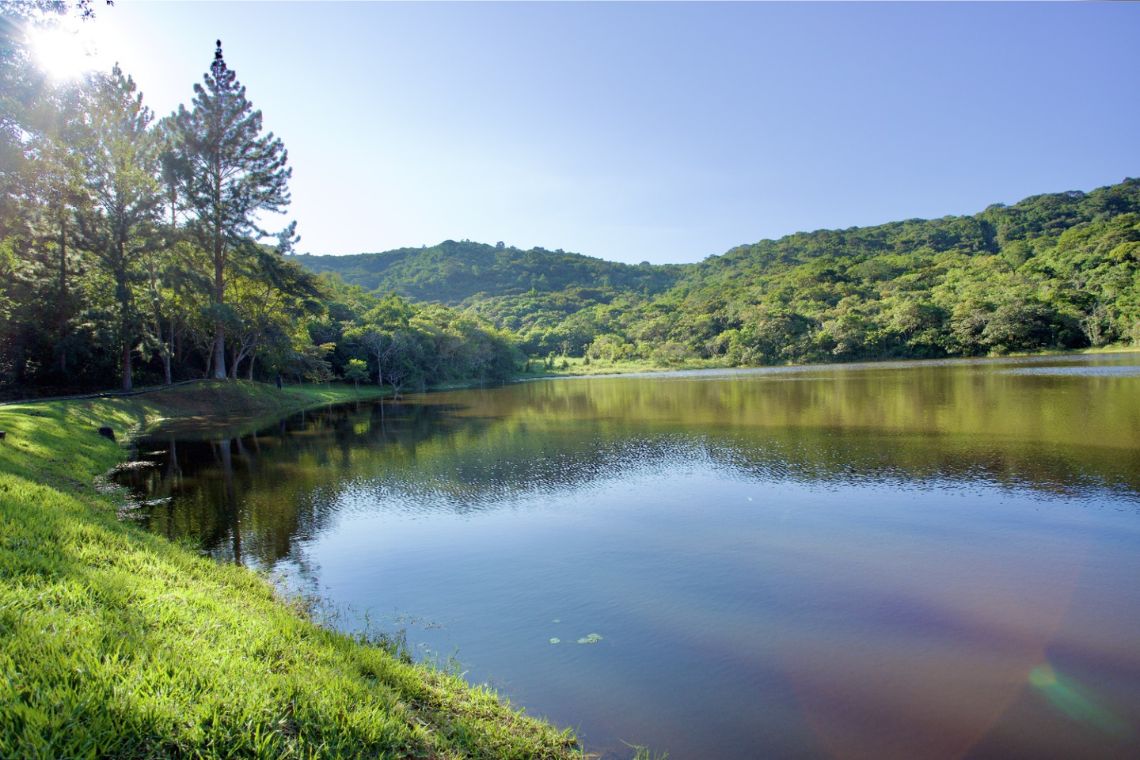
<point>1067,696</point>
<point>65,51</point>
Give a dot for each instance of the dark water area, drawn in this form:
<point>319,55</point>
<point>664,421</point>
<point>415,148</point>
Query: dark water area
<point>862,561</point>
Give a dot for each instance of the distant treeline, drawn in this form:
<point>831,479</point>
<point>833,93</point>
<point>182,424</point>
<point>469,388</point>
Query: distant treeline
<point>1053,271</point>
<point>131,251</point>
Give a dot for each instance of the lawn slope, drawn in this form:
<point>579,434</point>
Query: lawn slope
<point>117,643</point>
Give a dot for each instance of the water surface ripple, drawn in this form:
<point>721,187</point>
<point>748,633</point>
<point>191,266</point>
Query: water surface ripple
<point>931,560</point>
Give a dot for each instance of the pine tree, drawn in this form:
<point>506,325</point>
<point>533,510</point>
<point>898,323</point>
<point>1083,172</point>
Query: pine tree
<point>120,166</point>
<point>231,174</point>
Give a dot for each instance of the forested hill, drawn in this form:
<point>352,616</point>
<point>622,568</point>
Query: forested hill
<point>452,272</point>
<point>1036,221</point>
<point>1052,271</point>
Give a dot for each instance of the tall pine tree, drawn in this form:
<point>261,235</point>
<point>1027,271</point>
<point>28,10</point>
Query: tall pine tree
<point>120,164</point>
<point>232,173</point>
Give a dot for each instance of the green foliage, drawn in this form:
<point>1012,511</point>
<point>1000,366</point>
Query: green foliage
<point>189,293</point>
<point>1053,271</point>
<point>356,370</point>
<point>415,345</point>
<point>452,272</point>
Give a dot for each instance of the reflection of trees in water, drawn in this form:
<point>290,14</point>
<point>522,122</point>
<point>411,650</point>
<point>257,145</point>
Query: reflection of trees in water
<point>253,497</point>
<point>877,459</point>
<point>1061,434</point>
<point>967,399</point>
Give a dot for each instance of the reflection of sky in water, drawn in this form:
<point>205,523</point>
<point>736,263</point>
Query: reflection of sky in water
<point>870,564</point>
<point>839,618</point>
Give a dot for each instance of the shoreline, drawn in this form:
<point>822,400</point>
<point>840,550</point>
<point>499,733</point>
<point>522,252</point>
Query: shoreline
<point>119,641</point>
<point>578,369</point>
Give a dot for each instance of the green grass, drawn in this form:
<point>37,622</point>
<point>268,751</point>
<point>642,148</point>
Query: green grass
<point>117,643</point>
<point>576,366</point>
<point>1115,348</point>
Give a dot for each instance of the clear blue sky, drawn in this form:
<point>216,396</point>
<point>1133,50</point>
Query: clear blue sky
<point>660,132</point>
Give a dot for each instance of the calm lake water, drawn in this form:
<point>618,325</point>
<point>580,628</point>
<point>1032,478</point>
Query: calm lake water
<point>864,561</point>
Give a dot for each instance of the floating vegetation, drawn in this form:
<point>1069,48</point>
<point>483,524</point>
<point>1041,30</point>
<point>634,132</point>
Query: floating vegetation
<point>140,464</point>
<point>406,619</point>
<point>592,638</point>
<point>555,640</point>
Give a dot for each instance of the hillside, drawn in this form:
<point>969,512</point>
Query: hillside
<point>453,272</point>
<point>1052,271</point>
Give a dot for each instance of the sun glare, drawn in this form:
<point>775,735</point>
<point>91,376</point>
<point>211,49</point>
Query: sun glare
<point>65,52</point>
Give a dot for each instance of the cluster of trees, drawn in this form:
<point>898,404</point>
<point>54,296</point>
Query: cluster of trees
<point>1053,271</point>
<point>136,238</point>
<point>390,340</point>
<point>131,249</point>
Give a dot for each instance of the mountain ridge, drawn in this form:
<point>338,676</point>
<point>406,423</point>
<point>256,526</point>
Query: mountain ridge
<point>452,271</point>
<point>1054,270</point>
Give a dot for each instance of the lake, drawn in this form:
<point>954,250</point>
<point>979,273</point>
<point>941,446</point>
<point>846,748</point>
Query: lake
<point>936,559</point>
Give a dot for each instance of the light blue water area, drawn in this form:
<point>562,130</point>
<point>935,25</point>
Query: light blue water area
<point>913,560</point>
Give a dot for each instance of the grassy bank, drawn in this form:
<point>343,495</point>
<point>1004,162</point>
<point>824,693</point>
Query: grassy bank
<point>577,366</point>
<point>115,642</point>
<point>240,407</point>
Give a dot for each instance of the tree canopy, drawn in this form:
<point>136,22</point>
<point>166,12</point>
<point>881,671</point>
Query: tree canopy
<point>1052,271</point>
<point>130,250</point>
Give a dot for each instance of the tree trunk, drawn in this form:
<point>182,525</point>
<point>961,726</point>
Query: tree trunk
<point>20,352</point>
<point>165,349</point>
<point>176,343</point>
<point>165,342</point>
<point>62,261</point>
<point>62,296</point>
<point>124,295</point>
<point>126,364</point>
<point>219,299</point>
<point>219,351</point>
<point>240,355</point>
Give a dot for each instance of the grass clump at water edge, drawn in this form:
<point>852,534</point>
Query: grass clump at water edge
<point>118,643</point>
